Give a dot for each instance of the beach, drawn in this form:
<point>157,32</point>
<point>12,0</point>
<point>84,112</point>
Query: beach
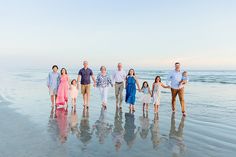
<point>30,128</point>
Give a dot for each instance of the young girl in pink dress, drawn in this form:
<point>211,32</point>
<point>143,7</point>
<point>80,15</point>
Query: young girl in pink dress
<point>73,93</point>
<point>62,94</point>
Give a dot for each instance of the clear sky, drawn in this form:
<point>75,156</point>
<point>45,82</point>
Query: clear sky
<point>201,34</point>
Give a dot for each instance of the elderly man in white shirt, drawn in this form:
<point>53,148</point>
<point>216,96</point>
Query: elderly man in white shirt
<point>173,81</point>
<point>119,77</point>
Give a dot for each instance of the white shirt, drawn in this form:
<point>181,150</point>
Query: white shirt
<point>174,79</point>
<point>119,76</point>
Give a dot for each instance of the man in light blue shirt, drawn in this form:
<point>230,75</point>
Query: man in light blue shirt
<point>173,81</point>
<point>53,81</point>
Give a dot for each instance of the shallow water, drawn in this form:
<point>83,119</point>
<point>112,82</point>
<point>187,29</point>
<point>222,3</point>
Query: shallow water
<point>32,129</point>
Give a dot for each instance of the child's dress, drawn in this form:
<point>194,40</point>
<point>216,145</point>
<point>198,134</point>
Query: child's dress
<point>73,92</point>
<point>62,94</point>
<point>130,90</point>
<point>146,96</point>
<point>157,94</point>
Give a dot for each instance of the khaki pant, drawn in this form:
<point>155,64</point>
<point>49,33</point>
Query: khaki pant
<point>119,87</point>
<point>180,93</point>
<point>85,89</point>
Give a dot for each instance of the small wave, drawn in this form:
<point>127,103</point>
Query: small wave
<point>4,99</point>
<point>214,81</point>
<point>23,75</point>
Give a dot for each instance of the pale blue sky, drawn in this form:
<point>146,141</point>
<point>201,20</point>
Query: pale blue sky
<point>139,33</point>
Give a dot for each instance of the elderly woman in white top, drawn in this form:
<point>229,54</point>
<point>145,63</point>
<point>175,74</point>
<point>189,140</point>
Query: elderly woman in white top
<point>103,82</point>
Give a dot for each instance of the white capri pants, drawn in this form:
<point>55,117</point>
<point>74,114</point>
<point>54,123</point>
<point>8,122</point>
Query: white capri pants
<point>103,92</point>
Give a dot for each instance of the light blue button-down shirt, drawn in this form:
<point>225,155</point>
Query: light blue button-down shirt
<point>53,80</point>
<point>174,79</point>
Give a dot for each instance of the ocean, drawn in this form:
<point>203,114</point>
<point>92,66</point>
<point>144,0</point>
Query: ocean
<point>30,128</point>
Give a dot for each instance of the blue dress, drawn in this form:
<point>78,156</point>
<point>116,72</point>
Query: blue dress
<point>130,90</point>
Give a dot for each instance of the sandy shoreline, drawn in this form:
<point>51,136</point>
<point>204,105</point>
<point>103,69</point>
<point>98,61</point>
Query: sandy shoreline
<point>20,137</point>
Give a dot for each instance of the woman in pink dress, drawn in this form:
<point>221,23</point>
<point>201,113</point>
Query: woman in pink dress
<point>62,94</point>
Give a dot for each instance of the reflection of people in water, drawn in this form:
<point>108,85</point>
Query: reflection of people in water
<point>85,132</point>
<point>118,130</point>
<point>102,127</point>
<point>155,132</point>
<point>73,125</point>
<point>61,118</point>
<point>130,134</point>
<point>144,123</point>
<point>52,125</point>
<point>176,137</point>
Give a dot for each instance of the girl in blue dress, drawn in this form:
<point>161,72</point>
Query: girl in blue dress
<point>131,82</point>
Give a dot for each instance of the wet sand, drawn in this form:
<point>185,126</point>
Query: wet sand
<point>30,128</point>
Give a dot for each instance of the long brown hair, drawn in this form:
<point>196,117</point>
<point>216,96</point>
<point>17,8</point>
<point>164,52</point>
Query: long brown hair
<point>129,72</point>
<point>144,84</point>
<point>65,71</point>
<point>157,78</point>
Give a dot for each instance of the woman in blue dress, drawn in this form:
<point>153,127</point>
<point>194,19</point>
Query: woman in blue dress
<point>131,82</point>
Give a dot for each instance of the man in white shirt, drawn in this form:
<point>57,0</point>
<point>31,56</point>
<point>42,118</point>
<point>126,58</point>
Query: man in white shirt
<point>174,80</point>
<point>119,77</point>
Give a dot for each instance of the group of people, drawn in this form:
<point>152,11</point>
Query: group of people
<point>60,87</point>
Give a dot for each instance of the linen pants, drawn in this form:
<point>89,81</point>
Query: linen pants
<point>103,92</point>
<point>119,87</point>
